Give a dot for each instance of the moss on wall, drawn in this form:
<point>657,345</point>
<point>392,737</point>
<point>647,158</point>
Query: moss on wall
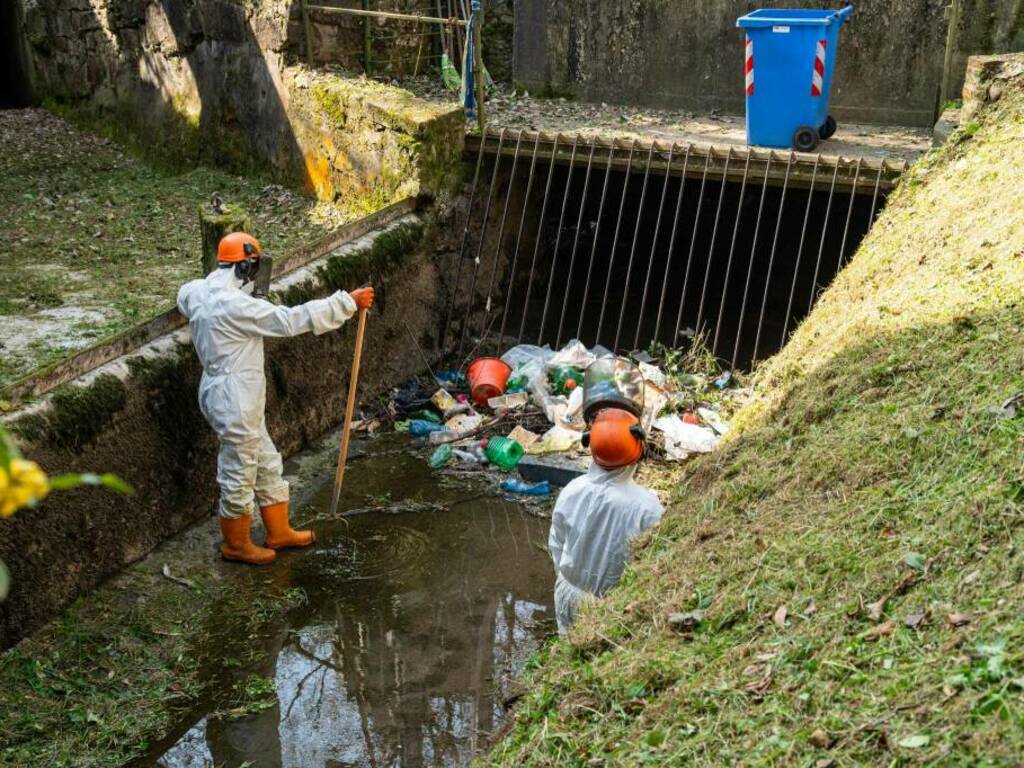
<point>76,415</point>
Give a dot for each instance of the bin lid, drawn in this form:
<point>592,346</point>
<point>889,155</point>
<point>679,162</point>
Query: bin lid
<point>793,17</point>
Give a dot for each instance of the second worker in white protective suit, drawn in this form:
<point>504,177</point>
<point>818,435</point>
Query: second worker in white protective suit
<point>597,514</point>
<point>228,327</point>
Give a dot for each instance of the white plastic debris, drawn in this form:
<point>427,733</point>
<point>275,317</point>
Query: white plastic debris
<point>558,439</point>
<point>714,420</point>
<point>682,439</point>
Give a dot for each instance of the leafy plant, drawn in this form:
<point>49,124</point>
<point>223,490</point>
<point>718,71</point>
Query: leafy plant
<point>23,484</point>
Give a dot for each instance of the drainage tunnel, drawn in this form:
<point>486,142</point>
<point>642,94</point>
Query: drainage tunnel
<point>626,243</point>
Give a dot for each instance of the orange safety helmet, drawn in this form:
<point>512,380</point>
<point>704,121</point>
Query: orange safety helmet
<point>616,438</point>
<point>237,247</point>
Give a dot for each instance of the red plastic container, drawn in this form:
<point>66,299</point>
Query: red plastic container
<point>488,377</point>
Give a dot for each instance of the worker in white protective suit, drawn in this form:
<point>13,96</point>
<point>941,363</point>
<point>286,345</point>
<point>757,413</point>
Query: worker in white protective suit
<point>228,327</point>
<point>597,514</point>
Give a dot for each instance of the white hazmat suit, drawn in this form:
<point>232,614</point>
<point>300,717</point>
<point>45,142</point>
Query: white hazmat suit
<point>228,327</point>
<point>595,517</point>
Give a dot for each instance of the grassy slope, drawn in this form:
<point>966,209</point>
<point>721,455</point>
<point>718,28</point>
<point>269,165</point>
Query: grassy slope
<point>870,446</point>
<point>95,240</point>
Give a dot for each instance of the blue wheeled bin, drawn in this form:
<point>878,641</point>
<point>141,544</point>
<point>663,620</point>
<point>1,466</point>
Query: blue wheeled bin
<point>790,60</point>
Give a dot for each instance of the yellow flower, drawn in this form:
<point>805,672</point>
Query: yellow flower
<point>26,485</point>
<point>3,482</point>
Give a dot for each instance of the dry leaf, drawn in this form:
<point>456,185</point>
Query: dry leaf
<point>780,617</point>
<point>915,620</point>
<point>820,739</point>
<point>881,630</point>
<point>875,609</point>
<point>958,620</point>
<point>826,762</point>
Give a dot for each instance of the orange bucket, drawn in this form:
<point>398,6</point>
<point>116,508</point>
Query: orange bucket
<point>488,377</point>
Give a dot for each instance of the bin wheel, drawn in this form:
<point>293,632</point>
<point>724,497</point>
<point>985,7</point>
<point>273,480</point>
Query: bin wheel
<point>828,130</point>
<point>805,139</point>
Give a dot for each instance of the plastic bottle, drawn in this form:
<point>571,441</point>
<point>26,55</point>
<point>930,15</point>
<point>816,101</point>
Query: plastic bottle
<point>427,415</point>
<point>517,384</point>
<point>504,452</point>
<point>441,456</point>
<point>467,457</point>
<point>564,379</point>
<point>543,488</point>
<point>421,428</point>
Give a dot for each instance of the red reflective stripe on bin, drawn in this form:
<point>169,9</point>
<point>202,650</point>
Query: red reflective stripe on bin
<point>817,83</point>
<point>750,67</point>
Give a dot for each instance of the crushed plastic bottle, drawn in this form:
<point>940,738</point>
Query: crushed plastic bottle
<point>543,488</point>
<point>441,456</point>
<point>466,457</point>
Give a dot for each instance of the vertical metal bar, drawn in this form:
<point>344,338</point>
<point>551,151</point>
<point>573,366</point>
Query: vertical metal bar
<point>367,41</point>
<point>732,250</point>
<point>597,231</point>
<point>537,239</point>
<point>800,251</point>
<point>478,63</point>
<point>465,238</point>
<point>874,197</point>
<point>307,33</point>
<point>771,259</point>
<point>654,242</point>
<point>483,236</point>
<point>501,232</point>
<point>849,213</point>
<point>575,243</point>
<point>693,243</point>
<point>824,232</point>
<point>519,240</point>
<point>615,240</point>
<point>714,237</point>
<point>632,248</point>
<point>558,239</point>
<point>750,265</point>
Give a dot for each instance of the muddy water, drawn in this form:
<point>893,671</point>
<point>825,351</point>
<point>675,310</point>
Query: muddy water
<point>415,625</point>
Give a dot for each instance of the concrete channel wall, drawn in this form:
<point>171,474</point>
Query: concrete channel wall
<point>689,55</point>
<point>137,416</point>
<point>208,80</point>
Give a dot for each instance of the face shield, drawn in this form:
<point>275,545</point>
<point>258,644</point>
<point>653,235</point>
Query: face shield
<point>612,382</point>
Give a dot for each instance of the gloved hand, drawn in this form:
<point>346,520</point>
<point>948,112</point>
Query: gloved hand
<point>363,297</point>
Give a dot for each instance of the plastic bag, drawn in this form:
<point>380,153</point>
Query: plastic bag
<point>682,439</point>
<point>558,439</point>
<point>527,353</point>
<point>574,354</point>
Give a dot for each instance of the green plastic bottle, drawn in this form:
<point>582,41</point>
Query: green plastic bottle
<point>564,379</point>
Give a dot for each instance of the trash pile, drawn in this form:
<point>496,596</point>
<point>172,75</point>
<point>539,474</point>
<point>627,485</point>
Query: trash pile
<point>528,411</point>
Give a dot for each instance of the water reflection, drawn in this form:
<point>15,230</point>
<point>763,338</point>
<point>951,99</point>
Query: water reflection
<point>416,626</point>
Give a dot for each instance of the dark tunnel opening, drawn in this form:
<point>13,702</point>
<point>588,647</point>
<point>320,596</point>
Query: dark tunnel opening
<point>695,272</point>
<point>15,81</point>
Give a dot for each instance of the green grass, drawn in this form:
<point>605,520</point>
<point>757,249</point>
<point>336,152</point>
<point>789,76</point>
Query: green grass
<point>96,240</point>
<point>869,494</point>
<point>117,670</point>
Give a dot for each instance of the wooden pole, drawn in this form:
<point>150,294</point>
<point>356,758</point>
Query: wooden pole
<point>367,13</point>
<point>350,407</point>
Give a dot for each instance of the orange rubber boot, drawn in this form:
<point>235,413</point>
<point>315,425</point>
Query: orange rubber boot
<point>237,544</point>
<point>279,533</point>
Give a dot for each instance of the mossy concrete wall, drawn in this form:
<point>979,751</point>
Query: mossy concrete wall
<point>138,417</point>
<point>209,80</point>
<point>690,55</point>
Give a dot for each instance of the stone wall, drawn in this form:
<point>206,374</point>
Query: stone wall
<point>689,55</point>
<point>208,80</point>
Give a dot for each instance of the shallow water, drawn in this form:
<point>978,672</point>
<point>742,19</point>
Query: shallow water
<point>415,627</point>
